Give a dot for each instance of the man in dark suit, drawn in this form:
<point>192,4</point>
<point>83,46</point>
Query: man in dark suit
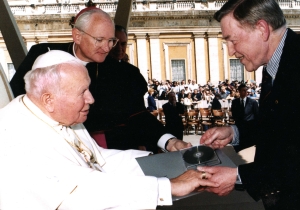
<point>181,96</point>
<point>215,102</point>
<point>196,96</point>
<point>256,33</point>
<point>151,101</point>
<point>245,114</point>
<point>173,111</point>
<point>125,121</point>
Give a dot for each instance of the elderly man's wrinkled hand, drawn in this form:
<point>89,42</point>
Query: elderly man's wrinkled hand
<point>176,144</point>
<point>217,137</point>
<point>225,177</point>
<point>190,181</point>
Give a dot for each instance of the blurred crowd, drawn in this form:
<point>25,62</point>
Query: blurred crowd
<point>191,91</point>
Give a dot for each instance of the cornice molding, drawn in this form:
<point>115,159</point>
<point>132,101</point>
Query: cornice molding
<point>159,20</point>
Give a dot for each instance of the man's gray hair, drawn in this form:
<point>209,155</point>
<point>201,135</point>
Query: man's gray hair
<point>248,12</point>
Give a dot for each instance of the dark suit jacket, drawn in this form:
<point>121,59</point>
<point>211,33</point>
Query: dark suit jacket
<point>276,163</point>
<point>151,104</point>
<point>174,123</point>
<point>180,96</point>
<point>198,96</point>
<point>250,110</point>
<point>216,104</point>
<point>246,119</point>
<point>126,122</point>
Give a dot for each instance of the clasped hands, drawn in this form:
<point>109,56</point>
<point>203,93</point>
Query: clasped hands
<point>225,177</point>
<point>218,180</point>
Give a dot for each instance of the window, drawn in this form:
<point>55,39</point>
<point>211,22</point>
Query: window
<point>178,70</point>
<point>236,70</point>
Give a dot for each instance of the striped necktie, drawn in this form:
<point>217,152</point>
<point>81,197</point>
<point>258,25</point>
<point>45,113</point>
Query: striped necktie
<point>266,84</point>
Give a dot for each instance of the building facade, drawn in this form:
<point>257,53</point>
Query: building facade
<point>170,39</point>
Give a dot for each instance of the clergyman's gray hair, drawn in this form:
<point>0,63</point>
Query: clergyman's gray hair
<point>84,20</point>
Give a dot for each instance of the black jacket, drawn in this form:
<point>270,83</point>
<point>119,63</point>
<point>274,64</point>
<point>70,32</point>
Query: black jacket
<point>174,123</point>
<point>276,164</point>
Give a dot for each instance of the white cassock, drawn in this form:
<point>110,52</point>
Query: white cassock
<point>39,169</point>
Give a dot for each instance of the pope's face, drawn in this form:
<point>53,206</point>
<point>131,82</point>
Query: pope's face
<point>85,48</point>
<point>244,43</point>
<point>71,104</point>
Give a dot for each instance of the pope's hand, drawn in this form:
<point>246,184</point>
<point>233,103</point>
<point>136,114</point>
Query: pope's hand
<point>176,144</point>
<point>217,137</point>
<point>191,181</point>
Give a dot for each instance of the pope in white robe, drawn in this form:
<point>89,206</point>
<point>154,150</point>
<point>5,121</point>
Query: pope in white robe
<point>49,161</point>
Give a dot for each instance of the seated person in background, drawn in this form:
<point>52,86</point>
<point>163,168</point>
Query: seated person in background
<point>216,103</point>
<point>162,88</point>
<point>175,87</point>
<point>193,86</point>
<point>173,111</point>
<point>186,89</point>
<point>223,92</point>
<point>163,96</point>
<point>187,101</point>
<point>196,96</point>
<point>208,95</point>
<point>61,165</point>
<point>124,121</point>
<point>181,96</point>
<point>151,102</point>
<point>251,93</point>
<point>155,85</point>
<point>182,85</point>
<point>231,96</point>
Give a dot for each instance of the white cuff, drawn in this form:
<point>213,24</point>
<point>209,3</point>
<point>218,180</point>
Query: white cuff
<point>164,192</point>
<point>163,139</point>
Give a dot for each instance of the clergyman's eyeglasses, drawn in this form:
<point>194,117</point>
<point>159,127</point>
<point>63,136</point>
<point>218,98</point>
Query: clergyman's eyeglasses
<point>99,41</point>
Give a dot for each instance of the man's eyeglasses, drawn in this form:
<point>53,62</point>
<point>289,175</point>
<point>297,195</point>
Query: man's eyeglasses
<point>99,41</point>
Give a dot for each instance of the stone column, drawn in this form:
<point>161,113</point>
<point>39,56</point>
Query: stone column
<point>201,58</point>
<point>214,66</point>
<point>142,54</point>
<point>11,34</point>
<point>167,61</point>
<point>3,62</point>
<point>226,65</point>
<point>155,56</point>
<point>123,12</point>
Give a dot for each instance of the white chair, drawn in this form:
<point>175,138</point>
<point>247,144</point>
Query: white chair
<point>6,94</point>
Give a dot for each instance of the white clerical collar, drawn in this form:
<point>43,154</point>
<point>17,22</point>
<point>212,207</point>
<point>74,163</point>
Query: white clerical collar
<point>83,62</point>
<point>37,112</point>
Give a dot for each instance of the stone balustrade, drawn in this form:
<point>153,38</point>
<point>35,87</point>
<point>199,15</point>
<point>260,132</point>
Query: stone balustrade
<point>58,6</point>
